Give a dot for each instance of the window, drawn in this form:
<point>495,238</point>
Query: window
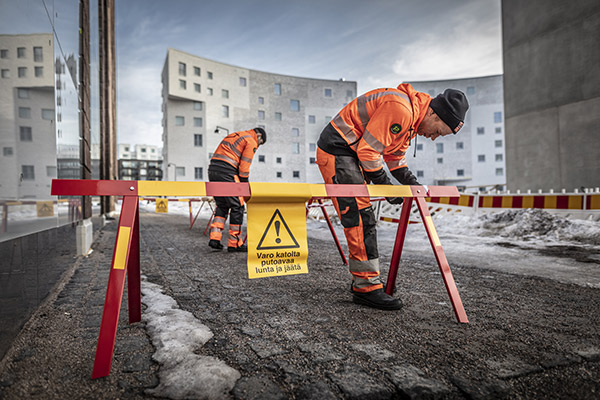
<point>328,93</point>
<point>470,89</point>
<point>419,146</point>
<point>197,106</point>
<point>20,52</point>
<point>143,150</point>
<point>295,105</point>
<point>182,84</point>
<point>499,171</point>
<point>182,69</point>
<point>4,53</point>
<point>279,174</point>
<point>197,88</point>
<point>498,129</point>
<point>312,119</point>
<point>261,114</point>
<point>198,173</point>
<point>179,171</point>
<point>209,74</point>
<point>349,93</point>
<point>22,72</point>
<point>278,160</point>
<point>210,91</point>
<point>179,121</point>
<point>47,114</point>
<point>25,134</point>
<point>242,81</point>
<point>23,93</point>
<point>261,159</point>
<point>498,143</point>
<point>27,172</point>
<point>39,72</point>
<point>225,93</point>
<point>460,145</point>
<point>225,111</point>
<point>277,89</point>
<point>6,73</point>
<point>38,54</point>
<point>420,174</point>
<point>481,158</point>
<point>296,174</point>
<point>499,157</point>
<point>24,112</point>
<point>498,117</point>
<point>480,130</point>
<point>312,147</point>
<point>197,71</point>
<point>261,100</point>
<point>460,172</point>
<point>295,148</point>
<point>7,151</point>
<point>295,132</point>
<point>439,147</point>
<point>197,121</point>
<point>440,160</point>
<point>312,160</point>
<point>277,116</point>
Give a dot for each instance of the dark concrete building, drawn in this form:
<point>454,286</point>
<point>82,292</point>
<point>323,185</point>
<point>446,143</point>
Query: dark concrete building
<point>551,52</point>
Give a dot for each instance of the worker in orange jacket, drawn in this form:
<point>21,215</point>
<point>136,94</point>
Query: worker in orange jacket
<point>231,163</point>
<point>381,122</point>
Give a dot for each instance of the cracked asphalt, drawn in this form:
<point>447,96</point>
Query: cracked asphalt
<point>301,336</point>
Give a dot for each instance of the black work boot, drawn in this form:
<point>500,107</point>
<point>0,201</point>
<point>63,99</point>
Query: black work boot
<point>377,299</point>
<point>215,244</point>
<point>239,249</point>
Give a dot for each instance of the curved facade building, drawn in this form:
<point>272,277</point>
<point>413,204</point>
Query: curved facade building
<point>204,100</point>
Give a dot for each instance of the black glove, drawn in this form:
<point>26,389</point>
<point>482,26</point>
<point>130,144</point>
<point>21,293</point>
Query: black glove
<point>243,179</point>
<point>405,177</point>
<point>395,200</point>
<point>378,177</point>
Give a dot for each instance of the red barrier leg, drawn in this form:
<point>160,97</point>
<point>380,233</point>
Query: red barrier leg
<point>398,245</point>
<point>198,213</point>
<point>335,238</point>
<point>134,294</point>
<point>459,311</point>
<point>116,284</point>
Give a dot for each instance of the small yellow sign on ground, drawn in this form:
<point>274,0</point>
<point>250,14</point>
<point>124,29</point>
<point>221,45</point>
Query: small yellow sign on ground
<point>277,243</point>
<point>45,208</point>
<point>162,205</point>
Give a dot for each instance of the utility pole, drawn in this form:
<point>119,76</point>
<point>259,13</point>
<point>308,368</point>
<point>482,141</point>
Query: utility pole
<point>108,109</point>
<point>84,102</point>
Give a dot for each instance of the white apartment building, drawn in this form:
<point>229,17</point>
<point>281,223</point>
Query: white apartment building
<point>27,116</point>
<point>473,159</point>
<point>204,100</point>
<point>139,152</point>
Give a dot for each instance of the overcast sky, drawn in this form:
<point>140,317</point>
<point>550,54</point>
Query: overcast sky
<point>377,43</point>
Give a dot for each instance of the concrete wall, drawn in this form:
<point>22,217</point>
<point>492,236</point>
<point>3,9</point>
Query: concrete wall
<point>551,54</point>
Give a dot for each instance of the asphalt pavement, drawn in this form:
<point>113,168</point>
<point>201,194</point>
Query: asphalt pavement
<point>300,336</point>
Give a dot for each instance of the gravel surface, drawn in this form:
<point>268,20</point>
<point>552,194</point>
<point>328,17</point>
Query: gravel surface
<point>302,337</point>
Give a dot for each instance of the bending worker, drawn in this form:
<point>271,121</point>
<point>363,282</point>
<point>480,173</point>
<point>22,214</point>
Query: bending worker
<point>380,122</point>
<point>231,163</point>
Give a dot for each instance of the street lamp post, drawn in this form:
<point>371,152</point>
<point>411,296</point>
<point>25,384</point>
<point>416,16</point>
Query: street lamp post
<point>175,173</point>
<point>220,127</point>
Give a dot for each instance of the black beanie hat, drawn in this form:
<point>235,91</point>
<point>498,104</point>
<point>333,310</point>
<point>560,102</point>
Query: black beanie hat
<point>263,134</point>
<point>451,106</point>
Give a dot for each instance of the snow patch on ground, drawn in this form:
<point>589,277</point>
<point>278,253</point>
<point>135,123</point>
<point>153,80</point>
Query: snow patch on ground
<point>177,335</point>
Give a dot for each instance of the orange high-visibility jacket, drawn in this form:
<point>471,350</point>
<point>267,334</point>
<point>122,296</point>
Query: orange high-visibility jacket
<point>382,122</point>
<point>237,149</point>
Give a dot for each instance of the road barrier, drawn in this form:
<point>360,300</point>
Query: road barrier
<point>544,201</point>
<point>44,209</point>
<point>126,256</point>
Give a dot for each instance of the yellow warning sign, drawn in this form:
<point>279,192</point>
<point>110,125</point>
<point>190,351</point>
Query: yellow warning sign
<point>44,208</point>
<point>277,243</point>
<point>162,205</point>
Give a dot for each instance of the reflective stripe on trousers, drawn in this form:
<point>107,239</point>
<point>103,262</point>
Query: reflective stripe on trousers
<point>358,219</point>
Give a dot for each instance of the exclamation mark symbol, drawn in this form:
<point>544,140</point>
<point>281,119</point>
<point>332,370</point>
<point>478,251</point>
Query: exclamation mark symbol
<point>277,224</point>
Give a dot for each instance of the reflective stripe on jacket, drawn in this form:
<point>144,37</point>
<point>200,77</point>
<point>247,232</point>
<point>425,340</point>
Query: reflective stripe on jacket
<point>382,122</point>
<point>237,149</point>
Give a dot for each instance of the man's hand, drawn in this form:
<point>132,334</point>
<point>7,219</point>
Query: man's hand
<point>395,200</point>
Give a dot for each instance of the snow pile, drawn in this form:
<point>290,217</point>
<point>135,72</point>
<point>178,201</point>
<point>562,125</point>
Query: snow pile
<point>177,335</point>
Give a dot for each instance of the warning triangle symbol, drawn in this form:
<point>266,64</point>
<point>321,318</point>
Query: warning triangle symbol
<point>277,235</point>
